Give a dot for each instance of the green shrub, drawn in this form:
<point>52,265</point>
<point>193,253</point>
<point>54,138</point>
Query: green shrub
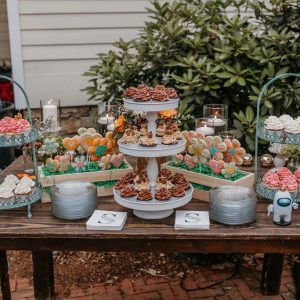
<point>210,57</point>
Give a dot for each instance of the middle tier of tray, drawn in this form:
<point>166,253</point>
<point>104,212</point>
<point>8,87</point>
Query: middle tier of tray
<point>150,105</point>
<point>160,150</point>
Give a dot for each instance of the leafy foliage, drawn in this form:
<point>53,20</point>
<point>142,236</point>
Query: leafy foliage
<point>211,56</point>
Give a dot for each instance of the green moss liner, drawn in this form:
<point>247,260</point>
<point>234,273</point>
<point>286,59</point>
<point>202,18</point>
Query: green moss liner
<point>200,186</point>
<point>91,167</point>
<point>206,170</point>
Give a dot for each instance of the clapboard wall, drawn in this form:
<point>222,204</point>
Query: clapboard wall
<point>60,39</point>
<point>4,37</point>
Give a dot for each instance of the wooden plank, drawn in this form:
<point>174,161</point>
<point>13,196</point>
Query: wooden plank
<point>77,36</point>
<point>114,174</point>
<point>89,6</point>
<point>43,275</point>
<point>64,52</point>
<point>117,20</point>
<point>4,278</point>
<point>210,181</point>
<point>201,195</point>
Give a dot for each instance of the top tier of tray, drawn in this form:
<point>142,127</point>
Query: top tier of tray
<point>282,138</point>
<point>150,106</point>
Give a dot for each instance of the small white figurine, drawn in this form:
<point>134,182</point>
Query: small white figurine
<point>282,208</point>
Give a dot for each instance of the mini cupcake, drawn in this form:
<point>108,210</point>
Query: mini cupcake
<point>128,192</point>
<point>274,127</point>
<point>142,95</point>
<point>144,195</point>
<point>130,92</point>
<point>162,194</point>
<point>270,119</point>
<point>169,138</point>
<point>144,129</point>
<point>129,137</point>
<point>160,95</point>
<point>285,119</point>
<point>160,130</point>
<point>172,93</point>
<point>148,140</point>
<point>292,128</point>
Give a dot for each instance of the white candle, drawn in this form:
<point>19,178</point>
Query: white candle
<point>106,120</point>
<point>217,121</point>
<point>50,113</point>
<point>111,127</point>
<point>205,130</point>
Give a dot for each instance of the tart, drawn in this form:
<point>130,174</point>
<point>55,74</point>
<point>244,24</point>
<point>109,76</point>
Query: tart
<point>128,192</point>
<point>162,194</point>
<point>148,140</point>
<point>144,195</point>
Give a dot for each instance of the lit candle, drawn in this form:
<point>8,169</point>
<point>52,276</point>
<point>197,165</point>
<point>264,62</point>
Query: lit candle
<point>106,120</point>
<point>217,121</point>
<point>205,130</point>
<point>50,113</point>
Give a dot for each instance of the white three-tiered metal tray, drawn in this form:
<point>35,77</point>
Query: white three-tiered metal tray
<point>152,209</point>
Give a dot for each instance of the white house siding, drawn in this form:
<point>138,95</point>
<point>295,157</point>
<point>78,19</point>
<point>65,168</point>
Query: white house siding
<point>60,39</point>
<point>4,37</point>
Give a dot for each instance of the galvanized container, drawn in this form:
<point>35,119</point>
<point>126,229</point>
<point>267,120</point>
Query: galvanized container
<point>73,200</point>
<point>232,205</point>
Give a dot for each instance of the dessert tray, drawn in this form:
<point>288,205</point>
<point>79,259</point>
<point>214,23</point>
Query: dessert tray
<point>153,209</point>
<point>277,135</point>
<point>28,136</point>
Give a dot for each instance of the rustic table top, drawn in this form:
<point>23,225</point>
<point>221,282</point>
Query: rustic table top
<point>45,232</point>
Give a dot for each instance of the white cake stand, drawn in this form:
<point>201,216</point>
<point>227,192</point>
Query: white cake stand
<point>152,209</point>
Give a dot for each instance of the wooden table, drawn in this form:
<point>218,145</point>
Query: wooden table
<point>43,233</point>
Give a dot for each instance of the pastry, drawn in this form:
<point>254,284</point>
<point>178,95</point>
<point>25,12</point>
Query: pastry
<point>142,183</point>
<point>160,131</point>
<point>130,92</point>
<point>163,182</point>
<point>169,138</point>
<point>144,195</point>
<point>160,95</point>
<point>129,177</point>
<point>285,119</point>
<point>10,181</point>
<point>177,191</point>
<point>142,95</point>
<point>28,181</point>
<point>166,173</point>
<point>22,189</point>
<point>291,128</point>
<point>162,194</point>
<point>6,192</point>
<point>13,126</point>
<point>171,93</point>
<point>148,140</point>
<point>120,184</point>
<point>128,192</point>
<point>129,137</point>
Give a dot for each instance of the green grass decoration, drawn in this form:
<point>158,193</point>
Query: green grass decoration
<point>206,170</point>
<point>105,184</point>
<point>200,186</point>
<point>91,167</point>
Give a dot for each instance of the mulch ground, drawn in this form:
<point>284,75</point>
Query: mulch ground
<point>148,276</point>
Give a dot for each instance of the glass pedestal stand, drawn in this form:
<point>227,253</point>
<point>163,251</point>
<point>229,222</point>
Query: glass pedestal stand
<point>152,209</point>
<point>29,136</point>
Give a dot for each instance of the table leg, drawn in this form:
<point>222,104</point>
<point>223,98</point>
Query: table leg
<point>43,275</point>
<point>4,278</point>
<point>271,273</point>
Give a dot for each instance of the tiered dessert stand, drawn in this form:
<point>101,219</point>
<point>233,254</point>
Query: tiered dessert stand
<point>262,133</point>
<point>152,209</point>
<point>30,136</point>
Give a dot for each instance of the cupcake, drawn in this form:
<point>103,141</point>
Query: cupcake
<point>169,138</point>
<point>163,182</point>
<point>142,95</point>
<point>144,195</point>
<point>160,130</point>
<point>162,194</point>
<point>148,140</point>
<point>128,192</point>
<point>129,137</point>
<point>177,191</point>
<point>142,183</point>
<point>171,93</point>
<point>160,95</point>
<point>144,129</point>
<point>291,128</point>
<point>130,92</point>
<point>274,127</point>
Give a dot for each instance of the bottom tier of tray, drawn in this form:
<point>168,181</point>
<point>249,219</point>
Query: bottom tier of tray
<point>22,200</point>
<point>265,192</point>
<point>153,209</point>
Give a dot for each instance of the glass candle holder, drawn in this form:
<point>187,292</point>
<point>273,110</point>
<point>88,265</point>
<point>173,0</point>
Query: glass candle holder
<point>218,114</point>
<point>205,126</point>
<point>107,114</point>
<point>227,135</point>
<point>50,115</point>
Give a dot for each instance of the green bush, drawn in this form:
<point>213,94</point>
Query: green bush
<point>210,56</point>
